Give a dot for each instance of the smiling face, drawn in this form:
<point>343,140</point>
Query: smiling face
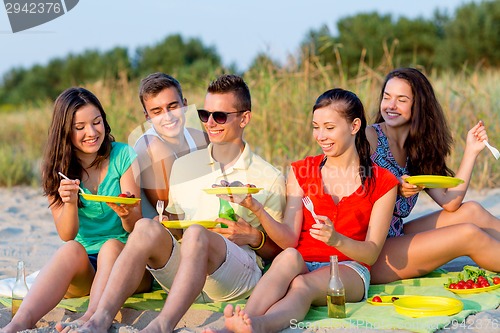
<point>87,133</point>
<point>232,130</point>
<point>333,132</point>
<point>165,111</point>
<point>397,102</point>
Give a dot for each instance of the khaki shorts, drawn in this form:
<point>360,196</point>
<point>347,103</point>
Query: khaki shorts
<point>234,279</point>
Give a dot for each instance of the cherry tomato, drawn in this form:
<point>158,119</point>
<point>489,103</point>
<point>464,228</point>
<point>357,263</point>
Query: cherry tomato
<point>476,285</point>
<point>453,286</point>
<point>461,284</point>
<point>377,299</point>
<point>485,284</point>
<point>481,278</point>
<point>123,195</point>
<point>496,280</point>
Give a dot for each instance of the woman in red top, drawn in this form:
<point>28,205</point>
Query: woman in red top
<point>353,199</point>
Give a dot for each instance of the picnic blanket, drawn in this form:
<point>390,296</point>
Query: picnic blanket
<point>359,315</point>
<point>365,315</point>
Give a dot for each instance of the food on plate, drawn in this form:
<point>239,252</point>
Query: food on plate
<point>472,278</point>
<point>236,183</point>
<point>225,183</point>
<point>384,299</point>
<point>234,188</point>
<point>126,195</point>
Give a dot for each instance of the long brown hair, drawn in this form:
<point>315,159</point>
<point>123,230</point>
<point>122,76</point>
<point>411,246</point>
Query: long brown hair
<point>350,107</point>
<point>59,155</point>
<point>429,140</point>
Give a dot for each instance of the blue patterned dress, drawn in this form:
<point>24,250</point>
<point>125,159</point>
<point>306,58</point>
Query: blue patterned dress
<point>384,158</point>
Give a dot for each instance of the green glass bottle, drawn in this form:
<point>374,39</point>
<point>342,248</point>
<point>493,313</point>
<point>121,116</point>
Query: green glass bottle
<point>226,212</point>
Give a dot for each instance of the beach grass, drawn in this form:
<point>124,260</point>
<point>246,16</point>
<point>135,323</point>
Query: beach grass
<point>281,119</point>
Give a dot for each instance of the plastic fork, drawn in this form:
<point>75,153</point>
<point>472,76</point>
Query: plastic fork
<point>493,150</point>
<point>310,207</point>
<point>62,175</point>
<point>160,207</point>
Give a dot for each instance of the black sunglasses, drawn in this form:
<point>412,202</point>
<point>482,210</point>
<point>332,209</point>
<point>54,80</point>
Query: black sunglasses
<point>218,116</point>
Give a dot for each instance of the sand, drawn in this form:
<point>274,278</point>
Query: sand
<point>27,233</point>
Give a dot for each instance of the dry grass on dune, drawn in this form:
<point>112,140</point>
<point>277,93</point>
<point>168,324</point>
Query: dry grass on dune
<point>282,101</point>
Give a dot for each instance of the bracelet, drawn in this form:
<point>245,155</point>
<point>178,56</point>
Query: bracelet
<point>261,243</point>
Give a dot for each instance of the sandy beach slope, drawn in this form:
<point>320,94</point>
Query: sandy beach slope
<point>27,233</point>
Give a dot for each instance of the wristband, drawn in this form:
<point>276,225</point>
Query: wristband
<point>261,243</point>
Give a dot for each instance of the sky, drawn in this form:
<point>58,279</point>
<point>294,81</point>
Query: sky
<point>239,30</point>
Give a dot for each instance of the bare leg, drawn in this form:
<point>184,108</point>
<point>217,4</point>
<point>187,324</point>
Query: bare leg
<point>107,257</point>
<point>235,321</point>
<point>469,212</point>
<point>415,255</point>
<point>275,282</point>
<point>304,290</point>
<point>272,287</point>
<point>149,243</point>
<point>68,272</point>
<point>202,252</point>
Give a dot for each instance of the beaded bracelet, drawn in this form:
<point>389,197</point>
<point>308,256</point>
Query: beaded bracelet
<point>261,243</point>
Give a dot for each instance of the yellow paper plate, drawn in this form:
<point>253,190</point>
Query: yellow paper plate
<point>386,299</point>
<point>426,306</point>
<point>474,290</point>
<point>232,190</point>
<point>434,181</point>
<point>106,198</point>
<point>182,224</point>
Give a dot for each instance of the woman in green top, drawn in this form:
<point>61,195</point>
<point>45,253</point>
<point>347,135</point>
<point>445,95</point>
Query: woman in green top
<point>80,145</point>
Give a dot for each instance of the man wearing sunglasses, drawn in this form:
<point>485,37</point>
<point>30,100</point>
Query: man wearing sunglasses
<point>165,137</point>
<point>219,264</point>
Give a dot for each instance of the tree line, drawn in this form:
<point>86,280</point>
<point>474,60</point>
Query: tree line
<point>469,38</point>
<point>466,39</point>
<point>187,58</point>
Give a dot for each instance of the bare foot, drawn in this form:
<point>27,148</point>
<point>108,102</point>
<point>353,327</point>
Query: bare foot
<point>158,325</point>
<point>228,315</point>
<point>86,327</point>
<point>237,321</point>
<point>67,326</point>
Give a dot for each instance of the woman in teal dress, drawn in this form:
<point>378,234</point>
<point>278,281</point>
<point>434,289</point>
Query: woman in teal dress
<point>80,145</point>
